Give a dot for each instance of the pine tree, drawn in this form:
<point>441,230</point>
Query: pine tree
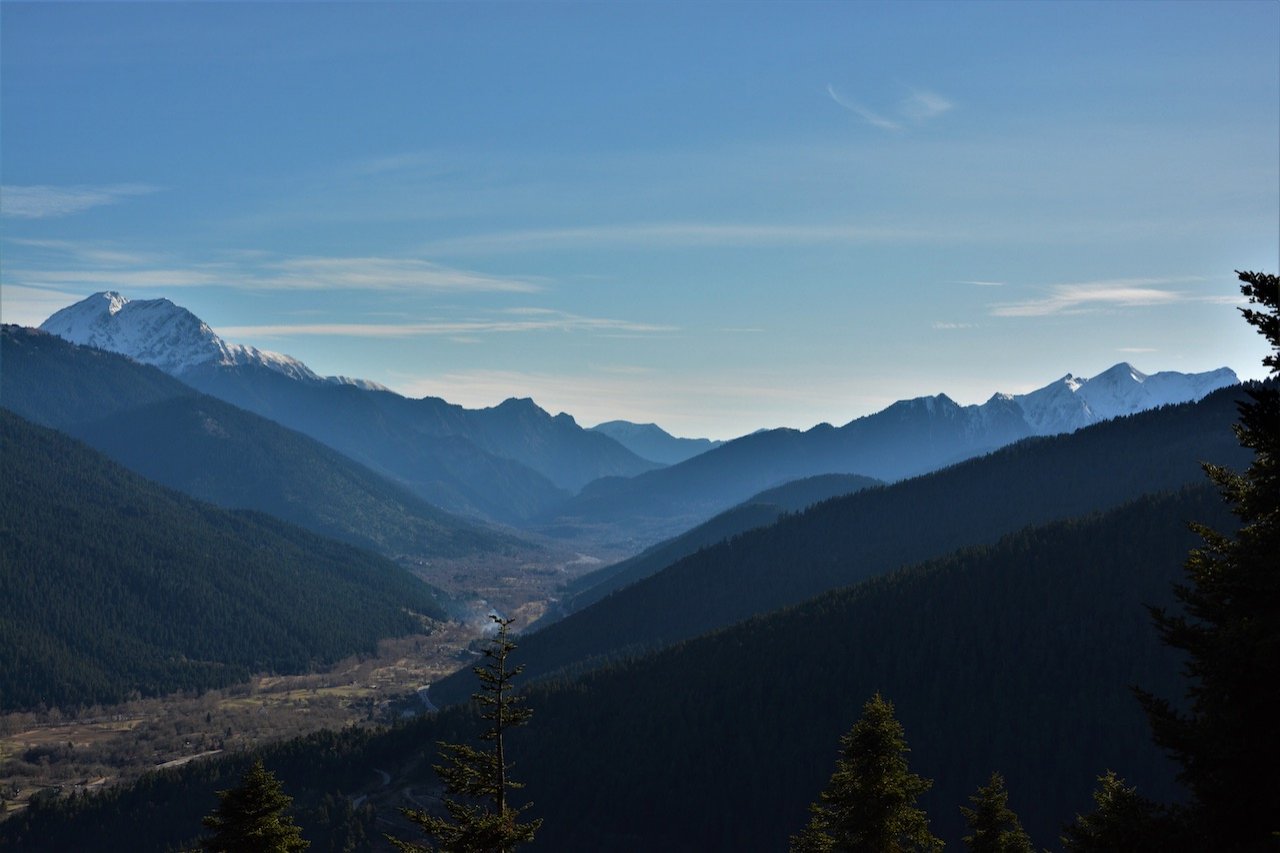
<point>251,818</point>
<point>995,827</point>
<point>1123,822</point>
<point>1228,742</point>
<point>869,804</point>
<point>482,822</point>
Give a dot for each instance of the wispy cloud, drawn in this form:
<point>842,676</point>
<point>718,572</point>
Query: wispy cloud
<point>118,278</point>
<point>373,273</point>
<point>670,234</point>
<point>541,321</point>
<point>918,107</point>
<point>873,119</point>
<point>921,105</point>
<point>41,201</point>
<point>981,283</point>
<point>946,326</point>
<point>89,267</point>
<point>1086,297</point>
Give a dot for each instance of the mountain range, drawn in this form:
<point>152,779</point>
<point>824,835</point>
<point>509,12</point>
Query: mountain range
<point>908,438</point>
<point>515,463</point>
<point>848,539</point>
<point>505,463</point>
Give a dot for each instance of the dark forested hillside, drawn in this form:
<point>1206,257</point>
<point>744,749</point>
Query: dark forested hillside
<point>758,511</point>
<point>113,585</point>
<point>845,540</point>
<point>161,428</point>
<point>1016,657</point>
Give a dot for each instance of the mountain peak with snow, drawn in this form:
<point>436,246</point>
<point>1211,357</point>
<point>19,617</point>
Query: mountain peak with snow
<point>168,336</point>
<point>1073,402</point>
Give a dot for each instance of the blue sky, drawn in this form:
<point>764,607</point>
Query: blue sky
<point>715,216</point>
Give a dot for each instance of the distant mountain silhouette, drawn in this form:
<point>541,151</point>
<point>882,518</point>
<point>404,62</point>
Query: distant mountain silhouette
<point>908,438</point>
<point>650,441</point>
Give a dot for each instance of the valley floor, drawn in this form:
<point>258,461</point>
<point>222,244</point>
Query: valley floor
<point>49,753</point>
<point>44,753</point>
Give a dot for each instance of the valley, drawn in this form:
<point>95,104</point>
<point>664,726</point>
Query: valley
<point>57,753</point>
<point>230,587</point>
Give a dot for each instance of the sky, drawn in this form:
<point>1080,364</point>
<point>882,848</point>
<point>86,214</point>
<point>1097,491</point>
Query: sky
<point>714,216</point>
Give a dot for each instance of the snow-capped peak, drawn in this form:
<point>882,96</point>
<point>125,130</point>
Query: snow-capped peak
<point>160,333</point>
<point>1073,402</point>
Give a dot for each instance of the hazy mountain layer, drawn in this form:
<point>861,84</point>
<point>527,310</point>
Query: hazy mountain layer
<point>440,450</point>
<point>910,437</point>
<point>650,441</point>
<point>166,431</point>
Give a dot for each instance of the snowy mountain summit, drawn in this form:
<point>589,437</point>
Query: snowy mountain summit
<point>1073,402</point>
<point>168,336</point>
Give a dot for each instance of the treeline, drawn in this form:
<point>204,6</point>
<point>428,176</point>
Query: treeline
<point>113,586</point>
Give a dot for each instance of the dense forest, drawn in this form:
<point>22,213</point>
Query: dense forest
<point>1015,657</point>
<point>115,586</point>
<point>847,539</point>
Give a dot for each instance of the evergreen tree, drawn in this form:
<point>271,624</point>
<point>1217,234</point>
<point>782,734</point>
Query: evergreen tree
<point>1123,822</point>
<point>869,804</point>
<point>995,827</point>
<point>1227,741</point>
<point>250,818</point>
<point>483,822</point>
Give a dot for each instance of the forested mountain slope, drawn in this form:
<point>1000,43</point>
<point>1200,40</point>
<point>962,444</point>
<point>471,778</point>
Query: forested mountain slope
<point>845,540</point>
<point>164,430</point>
<point>114,585</point>
<point>1016,657</point>
<point>758,511</point>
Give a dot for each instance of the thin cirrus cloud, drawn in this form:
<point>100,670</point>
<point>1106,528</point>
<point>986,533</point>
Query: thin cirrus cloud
<point>1100,295</point>
<point>94,268</point>
<point>319,273</point>
<point>671,234</point>
<point>41,201</point>
<point>515,321</point>
<point>918,107</point>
